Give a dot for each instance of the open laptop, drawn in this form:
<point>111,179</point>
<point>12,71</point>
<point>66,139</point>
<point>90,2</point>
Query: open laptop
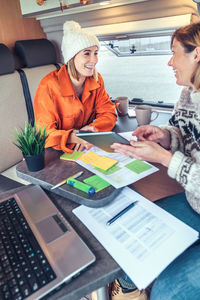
<point>39,249</point>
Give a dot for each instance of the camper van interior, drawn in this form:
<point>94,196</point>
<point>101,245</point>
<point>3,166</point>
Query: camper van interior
<point>135,40</point>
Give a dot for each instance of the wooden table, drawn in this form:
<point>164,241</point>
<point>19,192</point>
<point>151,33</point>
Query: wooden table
<point>105,269</point>
<point>99,274</point>
<point>157,185</point>
<point>153,187</point>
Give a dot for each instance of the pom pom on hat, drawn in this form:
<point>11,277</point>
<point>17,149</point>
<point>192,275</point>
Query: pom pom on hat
<point>76,39</point>
<point>70,26</point>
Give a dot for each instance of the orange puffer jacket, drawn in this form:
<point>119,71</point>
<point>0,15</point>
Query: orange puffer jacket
<point>58,108</point>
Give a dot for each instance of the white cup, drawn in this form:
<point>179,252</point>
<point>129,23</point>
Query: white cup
<point>143,114</point>
<point>121,104</point>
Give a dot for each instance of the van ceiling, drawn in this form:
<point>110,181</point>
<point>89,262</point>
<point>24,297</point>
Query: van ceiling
<point>149,9</point>
<point>53,8</point>
<point>150,27</point>
<point>142,11</point>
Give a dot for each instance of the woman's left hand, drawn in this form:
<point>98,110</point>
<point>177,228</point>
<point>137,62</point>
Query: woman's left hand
<point>81,144</point>
<point>144,150</point>
<point>89,128</point>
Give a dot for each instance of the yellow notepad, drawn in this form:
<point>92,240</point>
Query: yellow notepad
<point>89,157</point>
<point>104,162</point>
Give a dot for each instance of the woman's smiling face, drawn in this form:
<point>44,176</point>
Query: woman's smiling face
<point>184,64</point>
<point>85,61</point>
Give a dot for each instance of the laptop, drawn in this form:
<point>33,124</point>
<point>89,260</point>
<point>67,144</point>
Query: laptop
<point>39,249</point>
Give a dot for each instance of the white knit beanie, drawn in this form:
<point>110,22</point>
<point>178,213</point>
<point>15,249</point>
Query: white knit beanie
<point>76,39</point>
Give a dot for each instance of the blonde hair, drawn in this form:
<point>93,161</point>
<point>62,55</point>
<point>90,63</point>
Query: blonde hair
<point>189,37</point>
<point>73,72</point>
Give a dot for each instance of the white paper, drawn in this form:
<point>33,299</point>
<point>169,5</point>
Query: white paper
<point>131,112</point>
<point>122,177</point>
<point>128,135</point>
<point>144,241</point>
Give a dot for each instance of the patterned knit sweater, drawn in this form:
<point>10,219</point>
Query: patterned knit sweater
<point>184,127</point>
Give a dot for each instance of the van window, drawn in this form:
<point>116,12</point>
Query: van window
<point>137,68</point>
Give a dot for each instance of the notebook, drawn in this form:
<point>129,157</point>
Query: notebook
<point>39,249</point>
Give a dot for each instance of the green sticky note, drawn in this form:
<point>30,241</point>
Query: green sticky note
<point>71,156</point>
<point>138,166</point>
<point>97,182</point>
<point>111,170</point>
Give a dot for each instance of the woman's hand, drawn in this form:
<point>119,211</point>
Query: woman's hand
<point>85,145</point>
<point>89,128</point>
<point>144,150</point>
<point>154,134</point>
<point>80,143</point>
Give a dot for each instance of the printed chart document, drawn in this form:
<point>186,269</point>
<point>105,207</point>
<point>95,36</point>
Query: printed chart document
<point>126,171</point>
<point>143,241</point>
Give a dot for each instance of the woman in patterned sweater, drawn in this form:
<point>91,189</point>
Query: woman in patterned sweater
<point>177,146</point>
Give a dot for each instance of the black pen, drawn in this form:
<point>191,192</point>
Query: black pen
<point>121,213</point>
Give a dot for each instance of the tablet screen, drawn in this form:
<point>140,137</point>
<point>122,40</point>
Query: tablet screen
<point>103,140</point>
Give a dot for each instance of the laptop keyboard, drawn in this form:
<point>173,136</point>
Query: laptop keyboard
<point>24,269</point>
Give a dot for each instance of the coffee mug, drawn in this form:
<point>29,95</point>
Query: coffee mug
<point>121,104</point>
<point>143,114</point>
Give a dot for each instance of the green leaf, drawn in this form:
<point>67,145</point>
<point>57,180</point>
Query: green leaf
<point>30,139</point>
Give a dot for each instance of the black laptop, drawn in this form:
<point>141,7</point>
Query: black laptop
<point>39,249</point>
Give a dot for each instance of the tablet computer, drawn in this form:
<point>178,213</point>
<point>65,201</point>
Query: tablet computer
<point>103,140</point>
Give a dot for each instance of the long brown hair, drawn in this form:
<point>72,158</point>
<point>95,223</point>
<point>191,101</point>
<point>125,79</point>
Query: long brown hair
<point>189,37</point>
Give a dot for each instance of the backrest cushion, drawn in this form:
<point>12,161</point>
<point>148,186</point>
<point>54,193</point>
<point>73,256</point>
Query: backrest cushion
<point>12,109</point>
<point>13,114</point>
<point>39,58</point>
<point>7,65</point>
<point>35,75</point>
<point>36,52</point>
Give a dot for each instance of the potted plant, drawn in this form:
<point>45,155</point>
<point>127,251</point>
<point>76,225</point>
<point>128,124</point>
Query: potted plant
<point>31,141</point>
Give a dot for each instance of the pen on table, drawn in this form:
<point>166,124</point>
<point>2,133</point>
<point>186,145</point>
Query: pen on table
<point>121,213</point>
<point>65,180</point>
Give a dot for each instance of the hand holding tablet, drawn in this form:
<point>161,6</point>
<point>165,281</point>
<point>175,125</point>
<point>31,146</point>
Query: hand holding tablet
<point>103,140</point>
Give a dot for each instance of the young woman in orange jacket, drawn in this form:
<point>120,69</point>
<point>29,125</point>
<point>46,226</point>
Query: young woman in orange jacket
<point>74,97</point>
